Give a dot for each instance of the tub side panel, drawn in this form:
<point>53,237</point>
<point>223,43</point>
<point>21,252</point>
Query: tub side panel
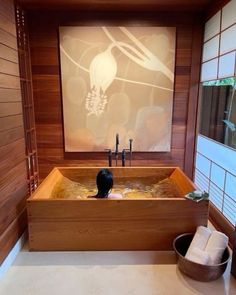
<point>112,224</point>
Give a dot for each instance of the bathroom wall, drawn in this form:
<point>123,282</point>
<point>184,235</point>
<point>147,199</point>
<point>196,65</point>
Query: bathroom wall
<point>43,30</point>
<point>13,184</point>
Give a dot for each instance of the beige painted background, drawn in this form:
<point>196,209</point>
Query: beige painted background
<point>117,80</point>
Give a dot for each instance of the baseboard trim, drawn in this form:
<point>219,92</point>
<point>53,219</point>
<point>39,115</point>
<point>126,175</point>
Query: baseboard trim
<point>12,254</point>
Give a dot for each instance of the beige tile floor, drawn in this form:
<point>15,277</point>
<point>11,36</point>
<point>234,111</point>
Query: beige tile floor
<point>104,273</point>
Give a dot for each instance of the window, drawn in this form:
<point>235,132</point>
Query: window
<point>218,111</point>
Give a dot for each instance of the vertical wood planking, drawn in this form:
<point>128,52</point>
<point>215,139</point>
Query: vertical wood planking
<point>13,175</point>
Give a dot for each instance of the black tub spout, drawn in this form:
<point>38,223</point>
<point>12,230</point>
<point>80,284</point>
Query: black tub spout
<point>123,158</point>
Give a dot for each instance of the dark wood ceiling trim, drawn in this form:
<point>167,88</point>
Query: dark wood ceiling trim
<point>124,5</point>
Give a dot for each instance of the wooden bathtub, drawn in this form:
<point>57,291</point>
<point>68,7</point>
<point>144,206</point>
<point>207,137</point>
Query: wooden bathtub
<point>126,224</point>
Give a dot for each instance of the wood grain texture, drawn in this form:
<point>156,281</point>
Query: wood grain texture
<point>8,53</point>
<point>10,108</point>
<point>13,174</point>
<point>7,67</point>
<point>8,40</point>
<point>98,224</point>
<point>6,24</point>
<point>43,30</point>
<point>12,234</point>
<point>11,122</point>
<point>124,5</point>
<point>9,81</point>
<point>10,95</point>
<point>8,9</point>
<point>9,136</point>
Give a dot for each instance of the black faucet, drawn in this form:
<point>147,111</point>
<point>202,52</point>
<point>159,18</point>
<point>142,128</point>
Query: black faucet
<point>123,154</point>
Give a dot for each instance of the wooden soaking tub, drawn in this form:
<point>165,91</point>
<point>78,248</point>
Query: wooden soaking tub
<point>101,224</point>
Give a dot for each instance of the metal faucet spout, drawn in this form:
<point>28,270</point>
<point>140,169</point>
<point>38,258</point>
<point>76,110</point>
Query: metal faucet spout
<point>117,143</point>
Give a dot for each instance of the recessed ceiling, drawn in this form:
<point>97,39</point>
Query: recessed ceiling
<point>161,5</point>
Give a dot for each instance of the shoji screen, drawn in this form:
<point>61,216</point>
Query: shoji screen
<point>219,49</point>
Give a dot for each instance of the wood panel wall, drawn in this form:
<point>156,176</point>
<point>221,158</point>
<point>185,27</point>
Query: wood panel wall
<point>13,173</point>
<point>43,30</point>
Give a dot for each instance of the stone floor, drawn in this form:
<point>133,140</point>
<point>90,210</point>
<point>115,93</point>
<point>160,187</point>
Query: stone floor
<point>104,273</point>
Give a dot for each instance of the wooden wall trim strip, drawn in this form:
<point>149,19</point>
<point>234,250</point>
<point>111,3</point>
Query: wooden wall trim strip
<point>193,98</point>
<point>221,223</point>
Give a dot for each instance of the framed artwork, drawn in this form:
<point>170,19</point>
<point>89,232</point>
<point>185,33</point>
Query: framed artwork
<point>117,80</point>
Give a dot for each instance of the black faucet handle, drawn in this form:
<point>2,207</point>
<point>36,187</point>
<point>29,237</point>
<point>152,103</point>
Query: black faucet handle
<point>123,157</point>
<point>109,157</point>
<point>130,144</point>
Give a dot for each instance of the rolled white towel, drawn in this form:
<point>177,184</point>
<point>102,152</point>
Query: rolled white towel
<point>199,256</point>
<point>216,246</point>
<point>200,240</point>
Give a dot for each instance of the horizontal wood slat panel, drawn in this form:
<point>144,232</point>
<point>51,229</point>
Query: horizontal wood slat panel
<point>11,122</point>
<point>9,68</point>
<point>9,136</point>
<point>8,40</point>
<point>7,81</point>
<point>10,108</point>
<point>13,206</point>
<point>13,172</point>
<point>6,24</point>
<point>11,155</point>
<point>12,181</point>
<point>7,8</point>
<point>10,95</point>
<point>12,234</point>
<point>8,53</point>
